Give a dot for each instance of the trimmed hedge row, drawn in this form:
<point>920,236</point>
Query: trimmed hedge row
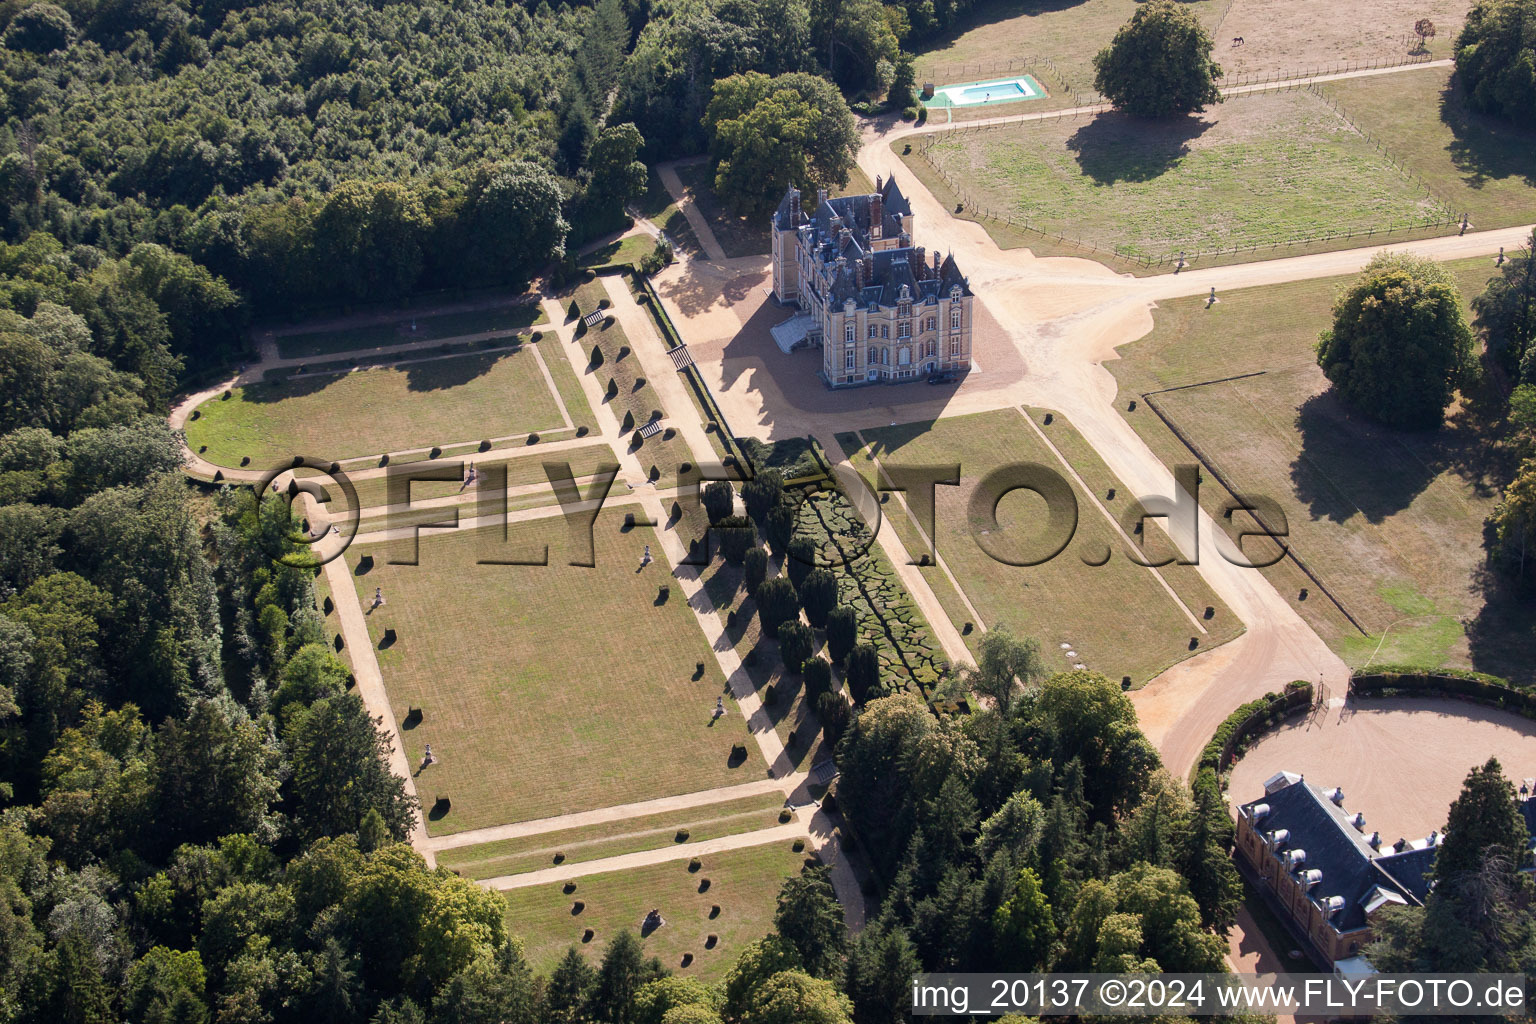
<point>1249,719</point>
<point>1477,687</point>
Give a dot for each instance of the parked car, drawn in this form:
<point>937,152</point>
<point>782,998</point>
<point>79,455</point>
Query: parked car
<point>941,377</point>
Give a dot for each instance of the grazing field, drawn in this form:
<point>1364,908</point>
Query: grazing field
<point>1298,35</point>
<point>1483,166</point>
<point>1294,35</point>
<point>547,690</point>
<point>1390,521</point>
<point>744,884</point>
<point>738,236</point>
<point>1260,169</point>
<point>615,838</point>
<point>504,318</point>
<point>1117,618</point>
<point>1068,34</point>
<point>370,412</point>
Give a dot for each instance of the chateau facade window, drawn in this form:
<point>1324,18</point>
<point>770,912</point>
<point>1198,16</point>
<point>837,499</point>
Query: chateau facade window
<point>954,346</point>
<point>954,318</point>
<point>848,333</point>
<point>850,359</point>
<point>874,330</point>
<point>904,329</point>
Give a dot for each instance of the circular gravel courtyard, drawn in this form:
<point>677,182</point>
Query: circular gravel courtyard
<point>1399,760</point>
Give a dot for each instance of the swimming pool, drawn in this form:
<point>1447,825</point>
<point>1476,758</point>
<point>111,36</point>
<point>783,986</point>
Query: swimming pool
<point>1000,90</point>
<point>971,94</point>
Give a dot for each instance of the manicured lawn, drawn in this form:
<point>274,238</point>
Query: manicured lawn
<point>622,252</point>
<point>858,184</point>
<point>341,416</point>
<point>1255,170</point>
<point>589,296</point>
<point>614,838</point>
<point>744,884</point>
<point>509,317</point>
<point>568,386</point>
<point>658,207</point>
<point>547,689</point>
<point>611,357</point>
<point>522,470</point>
<point>1391,521</point>
<point>1483,166</point>
<point>1117,617</point>
<point>738,236</point>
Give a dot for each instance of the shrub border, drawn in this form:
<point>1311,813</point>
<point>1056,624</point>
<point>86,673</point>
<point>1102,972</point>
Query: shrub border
<point>1249,720</point>
<point>1450,683</point>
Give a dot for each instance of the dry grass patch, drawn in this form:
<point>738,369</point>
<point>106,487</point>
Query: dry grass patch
<point>522,471</point>
<point>1391,521</point>
<point>744,884</point>
<point>1117,617</point>
<point>1299,35</point>
<point>370,412</point>
<point>614,838</point>
<point>547,690</point>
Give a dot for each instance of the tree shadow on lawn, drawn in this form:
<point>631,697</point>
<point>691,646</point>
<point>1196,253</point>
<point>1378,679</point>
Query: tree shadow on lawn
<point>1116,147</point>
<point>424,374</point>
<point>1349,465</point>
<point>452,372</point>
<point>1485,147</point>
<point>1500,638</point>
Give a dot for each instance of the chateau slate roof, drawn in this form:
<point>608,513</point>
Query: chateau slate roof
<point>1351,869</point>
<point>1412,869</point>
<point>840,229</point>
<point>895,202</point>
<point>787,215</point>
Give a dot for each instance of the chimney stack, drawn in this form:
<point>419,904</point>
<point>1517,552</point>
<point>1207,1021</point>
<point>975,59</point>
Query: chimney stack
<point>876,216</point>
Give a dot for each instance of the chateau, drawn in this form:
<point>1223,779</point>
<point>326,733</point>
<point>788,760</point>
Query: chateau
<point>876,305</point>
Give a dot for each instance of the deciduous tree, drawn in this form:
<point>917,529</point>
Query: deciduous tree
<point>1399,346</point>
<point>1159,63</point>
<point>1496,58</point>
